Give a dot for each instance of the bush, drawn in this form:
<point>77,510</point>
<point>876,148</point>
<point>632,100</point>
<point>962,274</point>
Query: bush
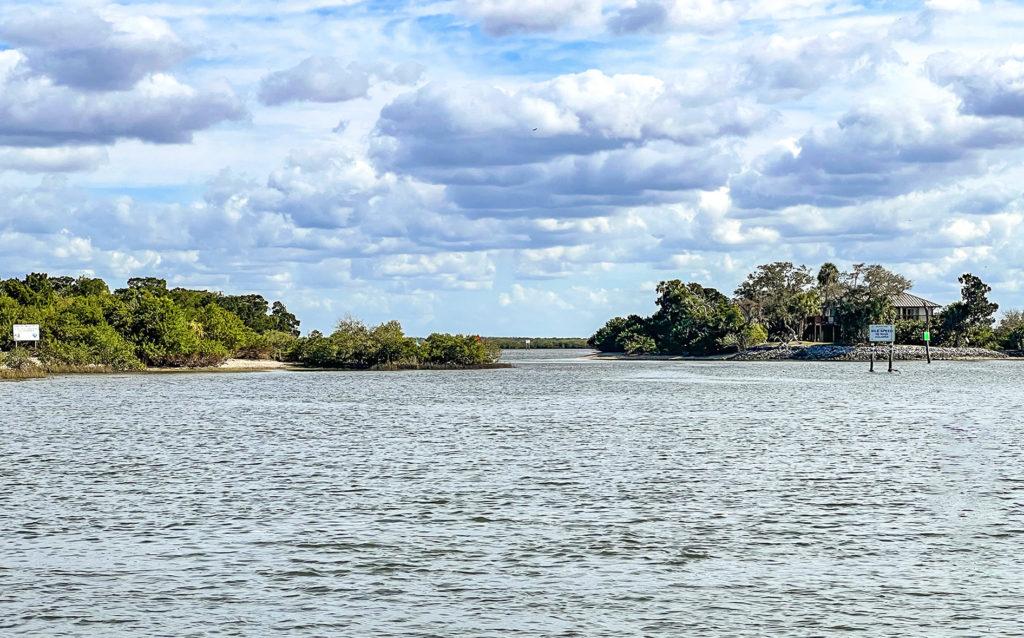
<point>461,350</point>
<point>18,359</point>
<point>746,337</point>
<point>910,331</point>
<point>639,344</point>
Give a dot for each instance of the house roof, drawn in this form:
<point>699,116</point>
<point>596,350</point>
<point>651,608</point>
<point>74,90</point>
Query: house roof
<point>907,300</point>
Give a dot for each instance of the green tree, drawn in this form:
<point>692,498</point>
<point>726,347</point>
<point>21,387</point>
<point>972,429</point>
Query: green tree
<point>829,287</point>
<point>388,345</point>
<point>639,344</point>
<point>224,327</point>
<point>743,338</point>
<point>866,298</point>
<point>89,287</point>
<point>970,319</point>
<point>691,319</point>
<point>352,342</point>
<point>159,329</point>
<point>1010,332</point>
<point>777,297</point>
<point>153,285</point>
<point>612,337</point>
<point>457,350</point>
<point>284,321</point>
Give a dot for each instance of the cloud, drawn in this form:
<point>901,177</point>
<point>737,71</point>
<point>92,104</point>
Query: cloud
<point>83,50</point>
<point>35,112</point>
<point>452,270</point>
<point>589,185</point>
<point>79,79</point>
<point>574,146</point>
<point>316,79</point>
<point>519,295</point>
<point>792,68</point>
<point>957,6</point>
<point>873,151</point>
<point>987,86</point>
<point>579,114</point>
<point>502,18</point>
<point>52,160</point>
<point>676,15</point>
<point>325,79</point>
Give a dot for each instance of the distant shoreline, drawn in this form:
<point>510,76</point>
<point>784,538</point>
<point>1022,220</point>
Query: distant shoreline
<point>39,371</point>
<point>825,352</point>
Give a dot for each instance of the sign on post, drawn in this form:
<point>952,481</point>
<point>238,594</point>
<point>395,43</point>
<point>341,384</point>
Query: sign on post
<point>26,331</point>
<point>927,336</point>
<point>882,332</point>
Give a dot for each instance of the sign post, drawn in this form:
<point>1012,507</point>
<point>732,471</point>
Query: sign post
<point>883,333</point>
<point>26,332</point>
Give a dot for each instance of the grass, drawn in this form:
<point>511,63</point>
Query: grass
<point>34,372</point>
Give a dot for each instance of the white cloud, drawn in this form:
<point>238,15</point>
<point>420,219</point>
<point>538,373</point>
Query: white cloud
<point>955,5</point>
<point>500,17</point>
<point>85,50</point>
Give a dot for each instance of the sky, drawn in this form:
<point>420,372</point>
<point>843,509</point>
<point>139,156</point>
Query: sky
<point>526,168</point>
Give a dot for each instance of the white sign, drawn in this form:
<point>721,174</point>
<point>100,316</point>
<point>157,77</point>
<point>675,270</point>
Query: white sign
<point>26,332</point>
<point>883,333</point>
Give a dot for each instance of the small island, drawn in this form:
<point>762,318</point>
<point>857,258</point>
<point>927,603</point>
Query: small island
<point>786,304</point>
<point>84,327</point>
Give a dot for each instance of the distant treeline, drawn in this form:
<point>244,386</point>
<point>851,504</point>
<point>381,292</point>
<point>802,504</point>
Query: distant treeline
<point>780,301</point>
<point>83,325</point>
<point>540,343</point>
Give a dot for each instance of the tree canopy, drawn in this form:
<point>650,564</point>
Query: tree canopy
<point>777,301</point>
<point>82,323</point>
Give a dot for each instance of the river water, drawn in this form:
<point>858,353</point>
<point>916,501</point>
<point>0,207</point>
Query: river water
<point>563,497</point>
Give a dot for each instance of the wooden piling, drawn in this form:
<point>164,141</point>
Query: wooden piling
<point>927,331</point>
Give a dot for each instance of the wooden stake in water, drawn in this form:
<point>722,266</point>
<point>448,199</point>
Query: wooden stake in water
<point>927,334</point>
<point>892,346</point>
<point>872,368</point>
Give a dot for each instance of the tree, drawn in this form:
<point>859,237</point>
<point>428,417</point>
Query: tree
<point>967,319</point>
<point>613,335</point>
<point>284,321</point>
<point>154,285</point>
<point>459,350</point>
<point>884,283</point>
<point>639,344</point>
<point>89,287</point>
<point>351,341</point>
<point>744,338</point>
<point>691,318</point>
<point>223,326</point>
<point>866,297</point>
<point>158,328</point>
<point>828,283</point>
<point>251,309</point>
<point>1010,333</point>
<point>775,295</point>
<point>388,345</point>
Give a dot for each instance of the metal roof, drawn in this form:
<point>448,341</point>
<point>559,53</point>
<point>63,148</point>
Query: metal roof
<point>907,300</point>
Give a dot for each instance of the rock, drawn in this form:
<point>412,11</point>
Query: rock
<point>861,353</point>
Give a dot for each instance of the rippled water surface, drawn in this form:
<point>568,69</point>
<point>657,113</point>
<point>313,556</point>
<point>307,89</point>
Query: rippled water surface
<point>564,497</point>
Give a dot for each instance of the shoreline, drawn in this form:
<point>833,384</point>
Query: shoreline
<point>39,371</point>
<point>825,352</point>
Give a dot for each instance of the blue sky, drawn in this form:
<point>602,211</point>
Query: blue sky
<point>515,168</point>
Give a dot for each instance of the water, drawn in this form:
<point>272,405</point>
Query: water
<point>565,497</point>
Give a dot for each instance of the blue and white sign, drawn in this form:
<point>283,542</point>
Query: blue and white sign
<point>883,332</point>
<point>26,332</point>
